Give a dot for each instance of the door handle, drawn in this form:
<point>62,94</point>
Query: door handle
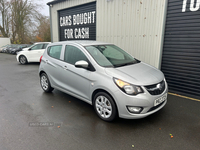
<point>65,67</point>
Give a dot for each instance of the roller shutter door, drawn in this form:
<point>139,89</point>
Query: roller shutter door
<point>181,50</point>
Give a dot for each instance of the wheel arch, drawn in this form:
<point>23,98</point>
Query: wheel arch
<point>24,56</point>
<point>102,90</point>
<point>42,71</point>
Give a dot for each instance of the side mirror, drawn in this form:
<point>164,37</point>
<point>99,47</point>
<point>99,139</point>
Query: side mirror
<point>81,64</point>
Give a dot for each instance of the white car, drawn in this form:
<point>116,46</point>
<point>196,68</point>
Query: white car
<point>32,54</point>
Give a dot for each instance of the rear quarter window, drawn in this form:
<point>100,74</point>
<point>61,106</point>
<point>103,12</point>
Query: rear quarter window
<point>55,51</point>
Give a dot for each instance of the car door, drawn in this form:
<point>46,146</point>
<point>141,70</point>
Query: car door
<point>73,79</point>
<point>53,66</point>
<point>35,52</point>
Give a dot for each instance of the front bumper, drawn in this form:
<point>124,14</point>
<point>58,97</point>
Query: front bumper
<point>12,52</point>
<point>144,100</point>
<point>17,57</point>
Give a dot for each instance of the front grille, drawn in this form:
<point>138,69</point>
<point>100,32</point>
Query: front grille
<point>156,89</point>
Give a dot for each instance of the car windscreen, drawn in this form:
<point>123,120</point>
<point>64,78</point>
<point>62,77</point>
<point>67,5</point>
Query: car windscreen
<point>110,55</point>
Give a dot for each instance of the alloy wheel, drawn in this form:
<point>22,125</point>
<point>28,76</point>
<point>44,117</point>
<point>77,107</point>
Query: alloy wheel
<point>22,59</point>
<point>44,82</point>
<point>103,107</point>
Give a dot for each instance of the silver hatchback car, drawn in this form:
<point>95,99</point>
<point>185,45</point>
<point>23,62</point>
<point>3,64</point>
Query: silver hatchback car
<point>105,76</point>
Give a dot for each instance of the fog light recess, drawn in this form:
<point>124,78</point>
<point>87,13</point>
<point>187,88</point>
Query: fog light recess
<point>133,109</point>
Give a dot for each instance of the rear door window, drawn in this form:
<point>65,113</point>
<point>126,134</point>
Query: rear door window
<point>37,47</point>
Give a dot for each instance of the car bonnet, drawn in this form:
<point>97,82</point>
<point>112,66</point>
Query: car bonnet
<point>137,74</point>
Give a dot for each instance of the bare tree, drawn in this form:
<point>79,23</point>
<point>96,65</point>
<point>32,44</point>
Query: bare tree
<point>24,17</point>
<point>43,30</point>
<point>5,15</point>
<point>21,20</point>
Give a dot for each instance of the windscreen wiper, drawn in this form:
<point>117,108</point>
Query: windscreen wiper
<point>125,64</point>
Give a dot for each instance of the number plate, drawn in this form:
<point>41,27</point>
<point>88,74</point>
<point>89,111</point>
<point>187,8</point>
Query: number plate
<point>160,100</point>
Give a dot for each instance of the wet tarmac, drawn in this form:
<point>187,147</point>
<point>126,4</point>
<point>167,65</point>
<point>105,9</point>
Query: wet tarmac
<point>33,120</point>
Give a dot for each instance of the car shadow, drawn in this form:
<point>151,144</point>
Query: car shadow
<point>84,109</point>
<point>31,64</point>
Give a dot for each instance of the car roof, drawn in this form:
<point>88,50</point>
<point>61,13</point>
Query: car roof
<point>42,43</point>
<point>82,42</point>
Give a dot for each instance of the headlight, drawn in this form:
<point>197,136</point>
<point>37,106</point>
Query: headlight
<point>128,88</point>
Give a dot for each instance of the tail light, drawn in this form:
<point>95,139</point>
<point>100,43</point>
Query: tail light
<point>41,58</point>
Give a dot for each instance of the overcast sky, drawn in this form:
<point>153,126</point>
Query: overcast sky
<point>45,10</point>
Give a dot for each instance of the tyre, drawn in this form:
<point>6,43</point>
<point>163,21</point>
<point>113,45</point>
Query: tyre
<point>22,60</point>
<point>105,106</point>
<point>45,83</point>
